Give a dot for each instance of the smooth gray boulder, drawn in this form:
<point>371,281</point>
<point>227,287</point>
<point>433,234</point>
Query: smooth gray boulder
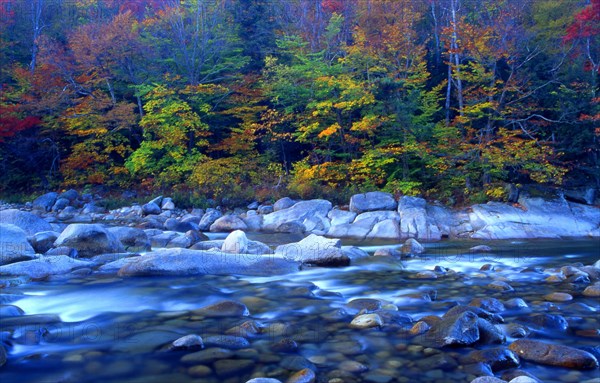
<point>43,241</point>
<point>167,204</point>
<point>310,214</point>
<point>60,204</point>
<point>14,246</point>
<point>553,354</point>
<point>315,250</point>
<point>208,219</point>
<point>131,238</point>
<point>414,220</point>
<point>386,229</point>
<point>235,243</point>
<point>45,201</point>
<point>412,247</point>
<point>89,240</point>
<point>151,208</point>
<point>44,266</point>
<point>356,230</point>
<point>192,262</point>
<point>283,203</point>
<point>372,201</point>
<point>228,223</point>
<point>341,217</point>
<point>29,222</point>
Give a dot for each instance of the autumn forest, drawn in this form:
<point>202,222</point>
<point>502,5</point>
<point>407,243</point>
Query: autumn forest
<point>250,99</point>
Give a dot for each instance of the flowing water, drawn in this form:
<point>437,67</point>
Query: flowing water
<point>116,329</point>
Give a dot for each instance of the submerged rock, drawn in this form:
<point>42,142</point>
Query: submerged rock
<point>553,354</point>
<point>225,308</point>
<point>456,330</point>
<point>188,342</point>
<point>366,321</point>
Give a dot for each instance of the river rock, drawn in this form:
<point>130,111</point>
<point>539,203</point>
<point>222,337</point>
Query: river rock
<point>500,286</point>
<point>188,342</point>
<point>592,291</point>
<point>372,201</point>
<point>151,208</point>
<point>206,356</point>
<point>499,358</point>
<point>457,330</point>
<point>226,308</point>
<point>230,342</point>
<point>45,201</point>
<point>43,241</point>
<point>415,221</point>
<point>283,203</point>
<point>14,246</point>
<point>553,354</point>
<point>29,222</point>
<point>355,230</point>
<point>167,204</point>
<point>366,321</point>
<point>60,204</point>
<point>208,219</point>
<point>315,250</point>
<point>3,355</point>
<point>303,376</point>
<point>547,322</point>
<point>341,217</point>
<point>179,261</point>
<point>89,240</point>
<point>132,239</point>
<point>386,229</point>
<point>235,243</point>
<point>412,247</point>
<point>490,304</point>
<point>263,380</point>
<point>488,333</point>
<point>228,223</point>
<point>558,297</point>
<point>44,266</point>
<point>311,215</point>
<point>487,379</point>
<point>480,249</point>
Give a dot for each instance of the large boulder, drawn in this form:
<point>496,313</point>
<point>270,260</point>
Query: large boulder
<point>228,223</point>
<point>131,238</point>
<point>151,208</point>
<point>310,215</point>
<point>89,240</point>
<point>43,241</point>
<point>553,354</point>
<point>29,222</point>
<point>536,218</point>
<point>283,203</point>
<point>191,262</point>
<point>45,201</point>
<point>14,246</point>
<point>341,217</point>
<point>372,201</point>
<point>44,266</point>
<point>414,220</point>
<point>315,250</point>
<point>208,219</point>
<point>369,225</point>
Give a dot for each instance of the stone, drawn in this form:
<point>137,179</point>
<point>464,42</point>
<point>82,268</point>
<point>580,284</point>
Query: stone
<point>167,204</point>
<point>188,342</point>
<point>387,252</point>
<point>457,330</point>
<point>412,247</point>
<point>489,333</point>
<point>366,321</point>
<point>419,328</point>
<point>341,217</point>
<point>487,379</point>
<point>28,222</point>
<point>43,241</point>
<point>283,203</point>
<point>207,355</point>
<point>89,240</point>
<point>224,308</point>
<point>131,238</point>
<point>553,354</point>
<point>151,208</point>
<point>7,311</point>
<point>230,342</point>
<point>228,223</point>
<point>308,215</point>
<point>3,355</point>
<point>14,246</point>
<point>303,376</point>
<point>163,239</point>
<point>60,204</point>
<point>263,380</point>
<point>45,201</point>
<point>524,379</point>
<point>372,201</point>
<point>499,358</point>
<point>44,266</point>
<point>500,286</point>
<point>415,221</point>
<point>558,297</point>
<point>235,243</point>
<point>316,250</point>
<point>354,253</point>
<point>490,304</point>
<point>592,291</point>
<point>386,229</point>
<point>516,303</point>
<point>208,219</point>
<point>547,322</point>
<point>178,261</point>
<point>265,209</point>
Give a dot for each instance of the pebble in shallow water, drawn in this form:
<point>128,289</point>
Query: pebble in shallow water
<point>366,321</point>
<point>558,297</point>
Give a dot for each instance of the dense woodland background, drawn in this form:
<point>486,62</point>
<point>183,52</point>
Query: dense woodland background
<point>248,99</point>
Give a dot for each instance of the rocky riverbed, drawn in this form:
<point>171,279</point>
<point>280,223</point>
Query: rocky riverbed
<point>153,293</point>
